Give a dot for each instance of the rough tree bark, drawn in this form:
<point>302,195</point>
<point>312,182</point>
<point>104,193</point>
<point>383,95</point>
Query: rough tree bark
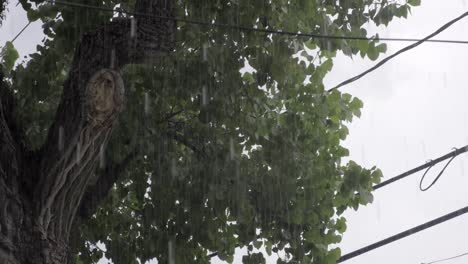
<point>45,194</point>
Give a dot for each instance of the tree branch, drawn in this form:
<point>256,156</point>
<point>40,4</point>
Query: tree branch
<point>11,159</point>
<point>99,191</point>
<point>92,99</point>
<point>11,140</point>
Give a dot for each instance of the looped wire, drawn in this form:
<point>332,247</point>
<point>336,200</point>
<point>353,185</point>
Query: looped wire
<point>438,176</point>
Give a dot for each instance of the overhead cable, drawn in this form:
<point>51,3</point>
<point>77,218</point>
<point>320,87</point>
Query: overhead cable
<point>412,46</point>
<point>251,29</point>
<point>404,234</point>
<point>21,31</point>
<point>427,166</point>
<point>445,259</point>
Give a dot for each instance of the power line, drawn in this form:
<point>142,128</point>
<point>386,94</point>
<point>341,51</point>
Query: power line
<point>21,31</point>
<point>404,234</point>
<point>251,29</point>
<point>445,259</point>
<point>414,45</point>
<point>427,166</point>
<point>452,155</point>
<point>419,228</point>
<point>436,178</point>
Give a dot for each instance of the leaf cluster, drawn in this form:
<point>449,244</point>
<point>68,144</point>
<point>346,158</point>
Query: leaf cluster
<point>225,159</point>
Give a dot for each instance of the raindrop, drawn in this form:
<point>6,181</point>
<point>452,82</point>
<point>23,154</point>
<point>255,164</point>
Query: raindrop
<point>102,160</point>
<point>328,45</point>
<point>462,168</point>
<point>363,154</point>
<point>173,168</point>
<point>379,213</point>
<point>444,78</point>
<point>112,59</point>
<point>78,153</point>
<point>205,52</point>
<point>171,249</point>
<point>147,103</point>
<point>231,149</point>
<point>60,138</point>
<point>133,27</point>
<point>204,95</point>
<point>296,47</point>
<point>423,146</point>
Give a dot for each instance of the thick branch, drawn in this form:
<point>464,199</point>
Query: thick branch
<point>8,146</point>
<point>96,193</point>
<point>10,168</point>
<point>92,99</point>
<point>10,142</point>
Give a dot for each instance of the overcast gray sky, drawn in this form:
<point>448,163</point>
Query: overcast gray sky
<point>414,110</point>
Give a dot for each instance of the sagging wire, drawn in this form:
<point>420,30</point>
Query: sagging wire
<point>427,166</point>
<point>438,176</point>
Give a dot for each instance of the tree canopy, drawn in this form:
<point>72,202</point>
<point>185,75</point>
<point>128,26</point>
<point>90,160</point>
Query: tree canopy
<point>209,158</point>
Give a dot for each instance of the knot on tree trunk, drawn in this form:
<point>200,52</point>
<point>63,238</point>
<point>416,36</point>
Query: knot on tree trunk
<point>104,98</point>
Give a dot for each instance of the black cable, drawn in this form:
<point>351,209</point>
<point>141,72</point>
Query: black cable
<point>452,155</point>
<point>19,33</point>
<point>245,28</point>
<point>414,45</point>
<point>404,234</point>
<point>445,259</point>
<point>436,179</point>
<point>428,165</point>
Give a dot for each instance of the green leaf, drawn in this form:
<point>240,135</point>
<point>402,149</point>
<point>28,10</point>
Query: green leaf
<point>9,55</point>
<point>33,15</point>
<point>333,256</point>
<point>257,244</point>
<point>341,225</point>
<point>373,52</point>
<point>414,2</point>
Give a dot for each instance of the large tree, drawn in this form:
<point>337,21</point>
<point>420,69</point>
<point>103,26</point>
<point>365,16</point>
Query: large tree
<point>142,133</point>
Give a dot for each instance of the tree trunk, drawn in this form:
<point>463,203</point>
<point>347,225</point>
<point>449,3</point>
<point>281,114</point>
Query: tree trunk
<point>44,194</point>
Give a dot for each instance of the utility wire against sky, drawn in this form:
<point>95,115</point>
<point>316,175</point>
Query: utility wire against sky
<point>445,259</point>
<point>412,46</point>
<point>251,29</point>
<point>290,33</point>
<point>424,226</point>
<point>427,166</point>
<point>403,234</point>
<point>21,31</point>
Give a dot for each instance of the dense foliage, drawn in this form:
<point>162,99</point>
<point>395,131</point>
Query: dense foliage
<point>223,159</point>
<point>3,5</point>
